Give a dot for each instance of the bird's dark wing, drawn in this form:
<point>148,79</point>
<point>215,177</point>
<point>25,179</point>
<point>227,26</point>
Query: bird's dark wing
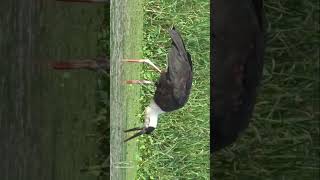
<point>179,71</point>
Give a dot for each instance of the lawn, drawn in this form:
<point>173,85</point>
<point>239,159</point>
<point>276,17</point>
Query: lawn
<point>282,141</point>
<point>179,147</point>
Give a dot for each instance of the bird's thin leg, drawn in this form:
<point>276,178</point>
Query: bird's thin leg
<point>87,1</point>
<point>143,61</point>
<point>138,82</point>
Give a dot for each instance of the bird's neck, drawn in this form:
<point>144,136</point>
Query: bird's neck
<point>153,111</point>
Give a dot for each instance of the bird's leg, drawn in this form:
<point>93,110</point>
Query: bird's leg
<point>140,61</point>
<point>147,61</point>
<point>138,82</point>
<point>87,1</point>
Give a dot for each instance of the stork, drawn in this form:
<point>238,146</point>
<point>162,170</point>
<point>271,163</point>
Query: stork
<point>173,86</point>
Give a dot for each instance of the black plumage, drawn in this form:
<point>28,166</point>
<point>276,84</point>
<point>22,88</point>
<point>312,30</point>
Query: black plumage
<point>174,85</point>
<point>237,64</point>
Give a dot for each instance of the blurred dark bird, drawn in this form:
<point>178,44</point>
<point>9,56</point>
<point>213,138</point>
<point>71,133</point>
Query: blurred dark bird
<point>237,64</point>
<point>173,87</point>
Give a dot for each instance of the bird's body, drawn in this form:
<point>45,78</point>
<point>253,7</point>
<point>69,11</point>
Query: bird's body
<point>174,85</point>
<point>238,48</point>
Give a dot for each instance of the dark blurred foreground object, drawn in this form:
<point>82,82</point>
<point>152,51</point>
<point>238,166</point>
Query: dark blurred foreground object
<point>237,64</point>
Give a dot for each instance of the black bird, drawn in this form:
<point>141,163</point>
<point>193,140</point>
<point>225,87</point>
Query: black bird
<point>237,64</point>
<point>173,87</point>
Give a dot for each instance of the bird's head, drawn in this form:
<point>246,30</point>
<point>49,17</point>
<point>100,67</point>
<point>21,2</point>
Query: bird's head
<point>150,121</point>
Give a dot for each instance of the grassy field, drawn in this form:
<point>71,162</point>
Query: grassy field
<point>126,43</point>
<point>132,49</point>
<point>283,139</point>
<point>179,147</point>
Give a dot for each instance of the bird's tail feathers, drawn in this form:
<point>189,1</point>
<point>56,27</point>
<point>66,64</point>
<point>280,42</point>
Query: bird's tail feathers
<point>177,40</point>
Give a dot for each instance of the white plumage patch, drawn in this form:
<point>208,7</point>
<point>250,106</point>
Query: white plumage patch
<point>151,114</point>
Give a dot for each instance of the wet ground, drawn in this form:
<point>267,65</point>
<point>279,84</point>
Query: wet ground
<point>46,117</point>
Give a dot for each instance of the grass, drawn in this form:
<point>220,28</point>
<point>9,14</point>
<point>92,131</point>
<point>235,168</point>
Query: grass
<point>132,49</point>
<point>179,147</point>
<point>282,141</point>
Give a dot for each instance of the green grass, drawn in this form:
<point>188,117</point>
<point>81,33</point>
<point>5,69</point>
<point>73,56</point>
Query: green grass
<point>126,43</point>
<point>179,147</point>
<point>282,141</point>
<point>132,49</point>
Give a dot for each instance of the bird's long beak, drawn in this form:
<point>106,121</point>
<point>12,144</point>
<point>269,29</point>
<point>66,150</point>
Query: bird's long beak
<point>140,129</point>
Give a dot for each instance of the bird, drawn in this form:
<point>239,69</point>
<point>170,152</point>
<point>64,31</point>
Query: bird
<point>172,88</point>
<point>237,64</point>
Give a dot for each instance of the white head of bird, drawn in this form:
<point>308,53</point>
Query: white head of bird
<point>152,113</point>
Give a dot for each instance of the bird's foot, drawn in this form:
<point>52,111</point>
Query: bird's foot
<point>138,82</point>
<point>147,61</point>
